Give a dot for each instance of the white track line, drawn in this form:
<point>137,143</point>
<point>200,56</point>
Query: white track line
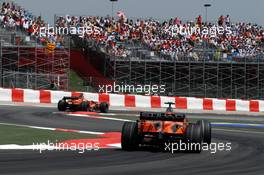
<point>240,131</point>
<point>99,117</point>
<point>41,148</point>
<point>102,114</point>
<point>53,129</point>
<point>26,147</point>
<point>116,145</point>
<point>44,105</point>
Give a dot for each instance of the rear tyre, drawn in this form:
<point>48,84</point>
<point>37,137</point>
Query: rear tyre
<point>194,138</point>
<point>206,131</point>
<point>104,107</point>
<point>84,106</point>
<point>130,137</point>
<point>62,106</point>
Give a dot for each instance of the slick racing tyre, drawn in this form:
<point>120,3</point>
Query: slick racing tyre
<point>62,106</point>
<point>130,138</point>
<point>206,130</point>
<point>104,107</point>
<point>194,138</point>
<point>84,106</point>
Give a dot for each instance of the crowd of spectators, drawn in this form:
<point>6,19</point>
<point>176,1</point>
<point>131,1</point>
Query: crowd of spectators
<point>242,39</point>
<point>113,34</point>
<point>15,18</point>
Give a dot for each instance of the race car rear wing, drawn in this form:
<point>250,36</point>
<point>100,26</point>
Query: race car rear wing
<point>73,98</point>
<point>161,116</point>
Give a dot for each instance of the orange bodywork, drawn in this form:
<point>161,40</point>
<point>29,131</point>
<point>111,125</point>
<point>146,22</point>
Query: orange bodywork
<point>77,101</point>
<point>91,104</point>
<point>167,127</point>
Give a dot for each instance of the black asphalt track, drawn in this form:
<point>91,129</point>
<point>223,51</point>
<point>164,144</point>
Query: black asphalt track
<point>246,156</point>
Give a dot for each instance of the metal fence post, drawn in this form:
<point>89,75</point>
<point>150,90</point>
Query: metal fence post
<point>1,65</point>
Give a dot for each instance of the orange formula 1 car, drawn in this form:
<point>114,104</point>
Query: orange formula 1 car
<point>159,128</point>
<point>81,104</point>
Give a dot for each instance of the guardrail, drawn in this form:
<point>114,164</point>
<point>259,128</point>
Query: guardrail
<point>186,103</point>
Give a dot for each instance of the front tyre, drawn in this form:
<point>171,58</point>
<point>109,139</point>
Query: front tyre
<point>84,106</point>
<point>104,107</point>
<point>62,106</point>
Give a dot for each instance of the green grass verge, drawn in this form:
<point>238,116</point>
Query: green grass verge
<point>27,136</point>
<point>76,82</point>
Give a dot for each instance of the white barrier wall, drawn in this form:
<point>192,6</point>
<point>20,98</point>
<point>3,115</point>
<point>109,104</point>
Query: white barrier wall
<point>191,103</point>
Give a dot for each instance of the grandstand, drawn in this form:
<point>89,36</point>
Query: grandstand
<point>224,63</point>
<point>224,66</point>
<point>26,59</point>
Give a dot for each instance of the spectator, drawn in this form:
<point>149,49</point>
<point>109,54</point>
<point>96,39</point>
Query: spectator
<point>221,20</point>
<point>227,20</point>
